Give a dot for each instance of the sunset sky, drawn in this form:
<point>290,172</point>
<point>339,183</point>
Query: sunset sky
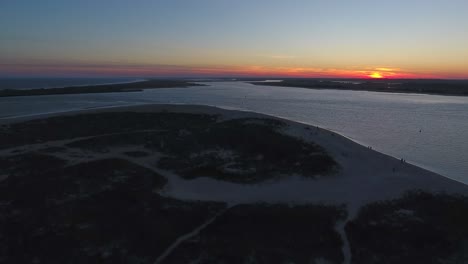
<point>213,38</point>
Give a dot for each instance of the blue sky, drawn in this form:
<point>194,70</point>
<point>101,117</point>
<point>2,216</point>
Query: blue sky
<point>413,37</point>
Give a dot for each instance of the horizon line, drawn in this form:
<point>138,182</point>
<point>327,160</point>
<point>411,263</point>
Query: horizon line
<point>221,77</point>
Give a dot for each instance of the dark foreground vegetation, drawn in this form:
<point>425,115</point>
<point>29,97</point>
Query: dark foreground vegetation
<point>60,207</point>
<point>105,211</point>
<point>418,228</point>
<point>244,150</point>
<point>102,88</point>
<point>272,234</point>
<point>89,189</point>
<point>241,150</point>
<point>440,87</point>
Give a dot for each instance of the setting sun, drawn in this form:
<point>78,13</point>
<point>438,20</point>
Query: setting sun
<point>376,75</point>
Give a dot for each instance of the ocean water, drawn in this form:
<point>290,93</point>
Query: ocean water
<point>35,83</point>
<point>427,130</point>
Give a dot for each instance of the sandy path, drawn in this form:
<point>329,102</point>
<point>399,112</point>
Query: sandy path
<point>187,236</point>
<point>340,228</point>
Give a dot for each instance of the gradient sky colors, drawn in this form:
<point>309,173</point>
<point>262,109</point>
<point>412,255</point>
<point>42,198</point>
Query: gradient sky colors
<point>213,38</point>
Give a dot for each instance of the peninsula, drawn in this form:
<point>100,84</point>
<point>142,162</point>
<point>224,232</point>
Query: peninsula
<point>183,183</point>
<point>103,88</point>
<point>427,86</point>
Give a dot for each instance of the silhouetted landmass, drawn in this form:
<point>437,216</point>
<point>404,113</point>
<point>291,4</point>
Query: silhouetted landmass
<point>440,87</point>
<point>104,88</point>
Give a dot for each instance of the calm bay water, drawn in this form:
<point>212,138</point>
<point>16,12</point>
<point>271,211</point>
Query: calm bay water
<point>426,130</point>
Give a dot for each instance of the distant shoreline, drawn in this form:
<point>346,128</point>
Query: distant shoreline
<point>27,83</point>
<point>135,86</point>
<point>431,87</point>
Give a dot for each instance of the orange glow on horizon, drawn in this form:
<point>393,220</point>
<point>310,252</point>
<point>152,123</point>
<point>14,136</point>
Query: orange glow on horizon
<point>376,75</point>
<point>215,71</point>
